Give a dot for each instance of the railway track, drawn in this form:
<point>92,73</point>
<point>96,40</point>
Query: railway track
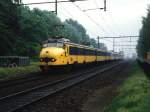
<point>34,77</point>
<point>14,86</point>
<point>9,83</point>
<point>27,83</point>
<point>26,79</point>
<point>18,100</point>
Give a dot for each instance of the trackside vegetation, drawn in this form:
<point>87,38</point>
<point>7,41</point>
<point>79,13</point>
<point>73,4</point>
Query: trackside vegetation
<point>23,31</point>
<point>134,94</point>
<point>13,73</point>
<point>143,43</point>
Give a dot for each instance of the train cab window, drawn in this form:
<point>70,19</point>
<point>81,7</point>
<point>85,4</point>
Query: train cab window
<point>53,44</point>
<point>59,44</point>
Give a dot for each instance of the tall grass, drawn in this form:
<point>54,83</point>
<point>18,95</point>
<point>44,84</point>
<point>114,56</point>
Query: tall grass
<point>134,94</point>
<point>7,73</point>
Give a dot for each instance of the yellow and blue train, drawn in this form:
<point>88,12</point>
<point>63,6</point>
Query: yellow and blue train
<point>62,52</point>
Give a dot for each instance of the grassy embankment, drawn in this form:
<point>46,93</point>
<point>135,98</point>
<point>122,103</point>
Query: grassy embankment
<point>9,73</point>
<point>134,94</point>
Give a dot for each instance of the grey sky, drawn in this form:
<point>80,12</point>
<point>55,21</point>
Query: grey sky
<point>123,17</point>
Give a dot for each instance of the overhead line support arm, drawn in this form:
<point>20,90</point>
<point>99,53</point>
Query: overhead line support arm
<point>51,2</point>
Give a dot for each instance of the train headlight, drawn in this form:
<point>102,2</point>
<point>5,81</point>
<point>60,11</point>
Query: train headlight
<point>41,60</point>
<point>53,60</point>
<point>47,60</point>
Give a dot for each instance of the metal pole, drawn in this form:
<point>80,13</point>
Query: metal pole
<point>104,5</point>
<point>56,7</point>
<point>98,41</point>
<point>113,44</point>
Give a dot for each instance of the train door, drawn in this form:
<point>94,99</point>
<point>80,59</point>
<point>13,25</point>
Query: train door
<point>65,59</point>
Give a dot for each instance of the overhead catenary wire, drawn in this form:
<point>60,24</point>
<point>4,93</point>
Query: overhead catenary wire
<point>114,22</point>
<point>36,3</point>
<point>108,27</point>
<point>97,3</point>
<point>90,18</point>
<point>66,10</point>
<point>93,22</point>
<point>63,13</point>
<point>93,33</point>
<point>110,19</point>
<point>69,14</point>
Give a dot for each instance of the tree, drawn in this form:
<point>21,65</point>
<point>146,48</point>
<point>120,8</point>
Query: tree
<point>8,27</point>
<point>79,31</point>
<point>143,43</point>
<point>24,30</point>
<point>36,26</point>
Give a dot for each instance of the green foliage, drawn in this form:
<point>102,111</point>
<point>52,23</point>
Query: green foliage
<point>79,30</point>
<point>15,72</point>
<point>23,30</point>
<point>144,40</point>
<point>134,94</point>
<point>35,27</point>
<point>8,26</point>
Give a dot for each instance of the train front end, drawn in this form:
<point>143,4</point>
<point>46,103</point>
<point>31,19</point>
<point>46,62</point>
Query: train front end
<point>52,55</point>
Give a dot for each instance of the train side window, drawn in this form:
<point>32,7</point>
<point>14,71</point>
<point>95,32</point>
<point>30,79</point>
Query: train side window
<point>85,51</point>
<point>89,52</point>
<point>104,54</point>
<point>99,53</point>
<point>81,51</point>
<point>95,52</point>
<point>73,50</point>
<point>76,50</point>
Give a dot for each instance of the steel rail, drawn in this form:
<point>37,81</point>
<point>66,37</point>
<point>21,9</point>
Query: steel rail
<point>11,82</point>
<point>36,76</point>
<point>18,100</point>
<point>21,82</point>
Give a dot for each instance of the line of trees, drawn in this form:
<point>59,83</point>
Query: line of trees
<point>144,41</point>
<point>22,30</point>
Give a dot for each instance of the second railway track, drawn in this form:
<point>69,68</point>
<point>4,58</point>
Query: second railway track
<point>18,100</point>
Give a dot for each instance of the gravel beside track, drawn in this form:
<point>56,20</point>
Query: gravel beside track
<point>75,99</point>
<point>27,83</point>
<point>19,100</point>
<point>39,78</point>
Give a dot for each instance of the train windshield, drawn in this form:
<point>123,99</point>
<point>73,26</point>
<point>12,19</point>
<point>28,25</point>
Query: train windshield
<point>53,44</point>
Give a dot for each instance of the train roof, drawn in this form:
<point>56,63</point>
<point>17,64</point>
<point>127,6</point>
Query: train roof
<point>67,41</point>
